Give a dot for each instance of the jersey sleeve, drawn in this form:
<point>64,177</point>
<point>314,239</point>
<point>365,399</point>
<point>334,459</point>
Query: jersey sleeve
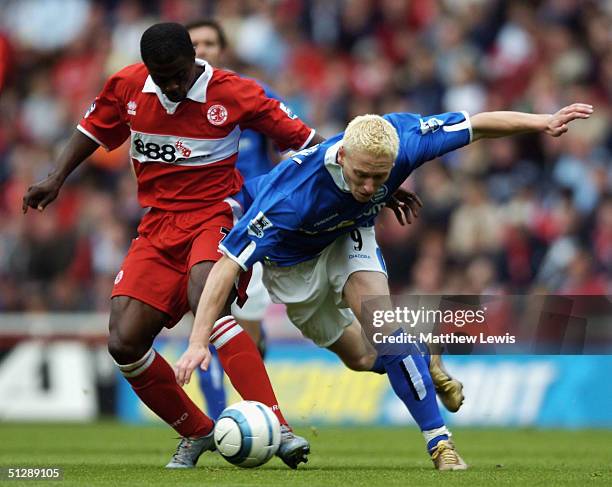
<point>260,229</point>
<point>103,122</point>
<point>425,138</point>
<point>271,117</point>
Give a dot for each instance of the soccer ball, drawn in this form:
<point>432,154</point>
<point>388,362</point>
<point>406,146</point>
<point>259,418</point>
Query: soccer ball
<point>247,434</point>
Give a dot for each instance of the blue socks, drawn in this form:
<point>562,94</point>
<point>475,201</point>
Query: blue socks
<point>408,372</point>
<point>379,366</point>
<point>211,384</point>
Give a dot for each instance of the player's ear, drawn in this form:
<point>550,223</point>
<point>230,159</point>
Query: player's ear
<point>341,154</point>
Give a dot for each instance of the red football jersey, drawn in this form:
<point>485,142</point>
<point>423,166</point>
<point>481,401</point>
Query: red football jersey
<point>184,153</point>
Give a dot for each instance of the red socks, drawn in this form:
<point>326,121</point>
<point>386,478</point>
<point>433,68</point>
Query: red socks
<point>153,380</point>
<point>243,364</point>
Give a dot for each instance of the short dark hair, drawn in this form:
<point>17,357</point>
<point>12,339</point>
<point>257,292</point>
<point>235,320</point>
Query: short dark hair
<point>163,43</point>
<point>213,24</point>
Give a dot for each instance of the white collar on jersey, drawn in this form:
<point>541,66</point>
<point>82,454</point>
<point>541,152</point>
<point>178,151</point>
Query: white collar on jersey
<point>196,93</point>
<point>335,169</point>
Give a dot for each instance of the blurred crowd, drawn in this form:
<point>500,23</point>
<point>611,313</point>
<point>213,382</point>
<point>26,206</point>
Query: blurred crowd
<point>528,214</point>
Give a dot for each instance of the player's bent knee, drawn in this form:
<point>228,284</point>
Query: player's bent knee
<point>125,351</point>
<point>132,328</point>
<point>121,352</point>
<point>362,363</point>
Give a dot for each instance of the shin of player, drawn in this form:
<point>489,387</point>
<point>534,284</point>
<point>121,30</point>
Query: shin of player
<point>243,364</point>
<point>152,379</point>
<point>406,366</point>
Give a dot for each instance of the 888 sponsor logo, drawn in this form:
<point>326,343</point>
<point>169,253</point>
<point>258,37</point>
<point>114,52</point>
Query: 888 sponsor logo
<point>161,148</point>
<point>153,151</point>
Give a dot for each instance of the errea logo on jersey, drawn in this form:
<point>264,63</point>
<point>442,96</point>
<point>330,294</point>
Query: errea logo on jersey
<point>430,125</point>
<point>217,114</point>
<point>258,225</point>
<point>131,107</point>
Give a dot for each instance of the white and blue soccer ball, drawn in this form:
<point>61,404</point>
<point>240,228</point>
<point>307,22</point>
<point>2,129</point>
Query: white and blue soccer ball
<point>247,434</point>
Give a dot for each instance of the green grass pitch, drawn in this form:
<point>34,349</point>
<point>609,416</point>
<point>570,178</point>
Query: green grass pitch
<point>110,454</point>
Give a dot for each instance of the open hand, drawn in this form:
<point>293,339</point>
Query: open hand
<point>194,356</point>
<point>557,123</point>
<point>405,204</point>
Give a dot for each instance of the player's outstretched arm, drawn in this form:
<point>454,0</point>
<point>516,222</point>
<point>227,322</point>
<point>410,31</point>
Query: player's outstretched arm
<point>501,124</point>
<point>39,195</point>
<point>214,296</point>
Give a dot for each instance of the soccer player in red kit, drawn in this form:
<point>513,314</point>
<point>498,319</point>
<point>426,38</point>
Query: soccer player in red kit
<point>184,119</point>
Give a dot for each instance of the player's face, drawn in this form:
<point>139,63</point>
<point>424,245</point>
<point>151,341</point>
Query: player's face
<point>174,79</point>
<point>206,43</point>
<point>364,173</point>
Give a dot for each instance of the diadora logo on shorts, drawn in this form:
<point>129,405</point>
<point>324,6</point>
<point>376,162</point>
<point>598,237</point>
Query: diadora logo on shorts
<point>182,148</point>
<point>258,225</point>
<point>131,107</point>
<point>217,114</point>
<point>430,125</point>
<point>119,277</point>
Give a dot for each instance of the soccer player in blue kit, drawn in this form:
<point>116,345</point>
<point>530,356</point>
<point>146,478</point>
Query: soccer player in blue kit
<point>257,156</point>
<point>311,222</point>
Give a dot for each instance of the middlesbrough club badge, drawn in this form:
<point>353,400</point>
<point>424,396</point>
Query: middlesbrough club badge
<point>217,114</point>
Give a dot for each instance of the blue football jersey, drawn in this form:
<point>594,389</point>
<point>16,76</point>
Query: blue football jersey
<point>253,157</point>
<point>304,203</point>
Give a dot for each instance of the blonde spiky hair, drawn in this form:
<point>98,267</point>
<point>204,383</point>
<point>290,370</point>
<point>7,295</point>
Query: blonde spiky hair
<point>373,135</point>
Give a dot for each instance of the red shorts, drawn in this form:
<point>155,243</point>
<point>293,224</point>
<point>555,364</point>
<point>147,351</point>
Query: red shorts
<point>156,267</point>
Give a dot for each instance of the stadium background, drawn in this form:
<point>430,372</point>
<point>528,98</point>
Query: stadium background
<point>513,216</point>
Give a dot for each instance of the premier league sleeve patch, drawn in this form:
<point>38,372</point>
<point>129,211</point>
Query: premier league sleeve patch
<point>430,125</point>
<point>258,225</point>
